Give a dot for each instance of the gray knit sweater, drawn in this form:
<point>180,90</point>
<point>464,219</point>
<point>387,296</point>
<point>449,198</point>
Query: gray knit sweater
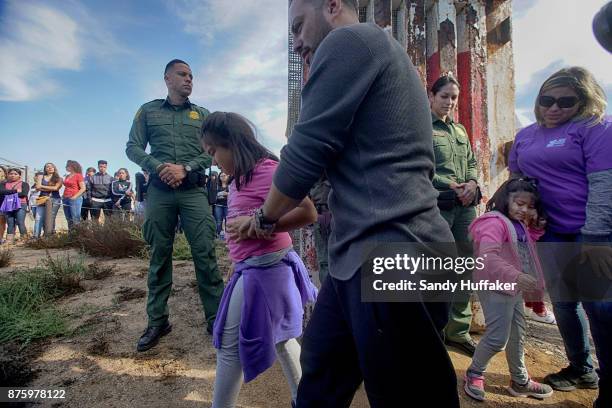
<point>365,119</point>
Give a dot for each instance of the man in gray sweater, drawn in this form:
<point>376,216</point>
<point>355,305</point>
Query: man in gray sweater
<point>365,120</point>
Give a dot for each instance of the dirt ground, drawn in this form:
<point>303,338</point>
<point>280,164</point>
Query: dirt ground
<point>99,367</point>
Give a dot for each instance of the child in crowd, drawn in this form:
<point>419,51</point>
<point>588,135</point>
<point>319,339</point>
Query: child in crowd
<point>505,237</point>
<point>261,310</point>
<point>535,310</point>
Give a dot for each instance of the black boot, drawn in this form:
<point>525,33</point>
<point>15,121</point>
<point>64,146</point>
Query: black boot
<point>151,336</point>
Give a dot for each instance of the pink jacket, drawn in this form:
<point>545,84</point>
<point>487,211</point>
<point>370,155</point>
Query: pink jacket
<point>494,236</point>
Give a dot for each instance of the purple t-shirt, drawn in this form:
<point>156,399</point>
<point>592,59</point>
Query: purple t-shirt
<point>560,159</point>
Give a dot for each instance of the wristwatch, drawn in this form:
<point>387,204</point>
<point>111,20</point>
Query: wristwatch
<point>188,168</point>
<point>261,223</point>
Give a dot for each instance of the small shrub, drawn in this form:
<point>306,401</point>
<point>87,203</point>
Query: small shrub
<point>26,308</point>
<point>115,238</point>
<point>66,274</point>
<point>55,241</point>
<point>6,257</point>
<point>97,271</point>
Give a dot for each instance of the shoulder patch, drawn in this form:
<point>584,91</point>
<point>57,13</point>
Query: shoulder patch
<point>137,114</point>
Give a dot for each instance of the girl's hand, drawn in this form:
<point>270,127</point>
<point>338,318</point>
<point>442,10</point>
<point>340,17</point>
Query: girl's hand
<point>526,282</point>
<point>238,228</point>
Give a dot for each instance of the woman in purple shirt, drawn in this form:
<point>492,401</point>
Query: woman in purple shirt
<point>569,152</point>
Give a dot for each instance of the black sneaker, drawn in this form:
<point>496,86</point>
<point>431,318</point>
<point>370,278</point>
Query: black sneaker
<point>151,336</point>
<point>466,347</point>
<point>568,379</point>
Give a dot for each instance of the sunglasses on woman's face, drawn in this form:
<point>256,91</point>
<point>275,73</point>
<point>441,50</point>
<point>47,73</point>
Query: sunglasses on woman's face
<point>564,102</point>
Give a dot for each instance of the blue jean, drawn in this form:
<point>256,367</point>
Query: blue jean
<point>40,218</point>
<point>220,212</point>
<point>72,210</point>
<point>16,219</point>
<point>572,323</point>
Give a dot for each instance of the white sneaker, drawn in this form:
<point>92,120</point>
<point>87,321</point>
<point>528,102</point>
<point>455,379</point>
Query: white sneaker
<point>548,317</point>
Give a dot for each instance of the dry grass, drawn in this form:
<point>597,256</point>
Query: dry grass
<point>6,257</point>
<point>55,241</point>
<point>115,238</point>
<point>98,271</point>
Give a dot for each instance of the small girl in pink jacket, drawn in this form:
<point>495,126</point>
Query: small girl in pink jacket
<point>505,238</point>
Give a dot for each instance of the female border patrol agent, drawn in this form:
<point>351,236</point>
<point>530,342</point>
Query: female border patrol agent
<point>455,180</point>
<point>176,164</point>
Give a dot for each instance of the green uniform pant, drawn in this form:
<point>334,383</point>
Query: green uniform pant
<point>162,211</point>
<point>460,318</point>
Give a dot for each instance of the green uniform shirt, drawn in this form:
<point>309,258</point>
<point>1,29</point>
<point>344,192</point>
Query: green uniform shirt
<point>173,133</point>
<point>455,160</point>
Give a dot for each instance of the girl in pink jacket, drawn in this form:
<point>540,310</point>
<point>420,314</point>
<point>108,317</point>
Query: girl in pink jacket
<point>505,238</point>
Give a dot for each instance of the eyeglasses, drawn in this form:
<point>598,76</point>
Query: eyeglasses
<point>564,102</point>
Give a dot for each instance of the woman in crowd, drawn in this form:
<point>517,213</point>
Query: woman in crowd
<point>142,185</point>
<point>212,183</point>
<point>569,152</point>
<point>2,216</point>
<point>74,188</point>
<point>221,204</point>
<point>14,204</point>
<point>87,196</point>
<point>121,192</point>
<point>456,181</point>
<point>49,185</point>
<point>34,195</point>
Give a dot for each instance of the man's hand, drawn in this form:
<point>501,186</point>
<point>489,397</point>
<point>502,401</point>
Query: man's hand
<point>466,192</point>
<point>172,174</point>
<point>526,282</point>
<point>599,257</point>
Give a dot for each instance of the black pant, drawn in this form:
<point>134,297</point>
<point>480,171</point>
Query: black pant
<point>96,206</point>
<point>394,348</point>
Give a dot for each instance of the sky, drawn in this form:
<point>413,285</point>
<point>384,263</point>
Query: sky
<point>74,73</point>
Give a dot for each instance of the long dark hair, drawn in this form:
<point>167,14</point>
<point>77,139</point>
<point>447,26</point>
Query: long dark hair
<point>236,133</point>
<point>442,82</point>
<point>500,200</point>
<point>55,178</point>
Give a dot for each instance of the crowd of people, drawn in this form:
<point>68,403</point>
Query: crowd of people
<point>388,163</point>
<point>81,196</point>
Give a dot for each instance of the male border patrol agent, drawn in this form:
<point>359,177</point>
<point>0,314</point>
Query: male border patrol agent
<point>176,164</point>
<point>456,181</point>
